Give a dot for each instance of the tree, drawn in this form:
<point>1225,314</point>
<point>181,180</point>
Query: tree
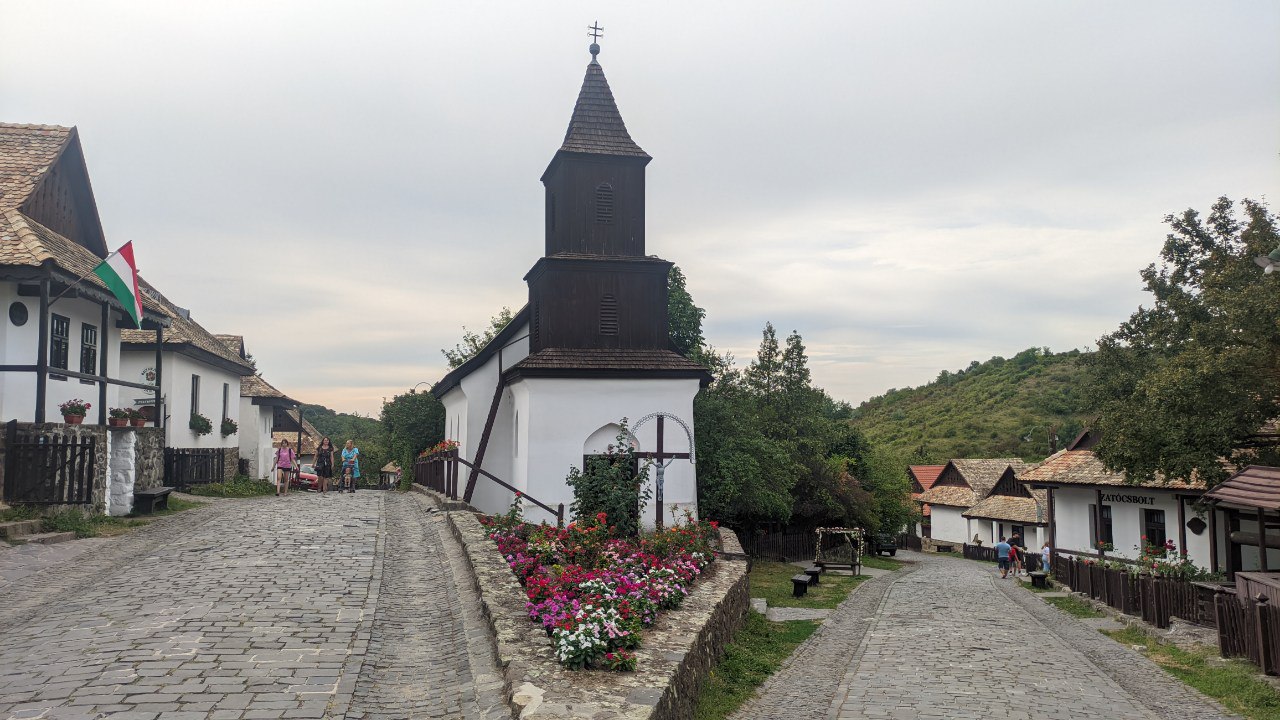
<point>411,423</point>
<point>1193,379</point>
<point>684,318</point>
<point>473,343</point>
<point>614,484</point>
<point>764,375</point>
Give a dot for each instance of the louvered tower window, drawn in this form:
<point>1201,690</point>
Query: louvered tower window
<point>604,204</point>
<point>608,315</point>
<point>537,321</point>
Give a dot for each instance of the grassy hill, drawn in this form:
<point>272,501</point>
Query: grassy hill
<point>984,410</point>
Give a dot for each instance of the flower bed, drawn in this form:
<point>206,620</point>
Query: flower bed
<point>594,592</point>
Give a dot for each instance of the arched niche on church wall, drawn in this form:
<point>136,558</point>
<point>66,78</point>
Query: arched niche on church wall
<point>600,440</point>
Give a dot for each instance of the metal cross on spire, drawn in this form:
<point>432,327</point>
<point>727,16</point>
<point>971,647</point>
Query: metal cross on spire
<point>596,33</point>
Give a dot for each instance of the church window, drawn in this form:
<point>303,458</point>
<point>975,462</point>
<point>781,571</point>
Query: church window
<point>608,315</point>
<point>604,204</point>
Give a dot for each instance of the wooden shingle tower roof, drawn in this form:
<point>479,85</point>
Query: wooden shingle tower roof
<point>596,125</point>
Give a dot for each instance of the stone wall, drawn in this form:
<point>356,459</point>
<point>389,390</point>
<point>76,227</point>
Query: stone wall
<point>148,455</point>
<point>121,471</point>
<point>230,463</point>
<point>674,660</point>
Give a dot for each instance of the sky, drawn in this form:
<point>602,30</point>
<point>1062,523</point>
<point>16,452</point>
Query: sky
<point>910,185</point>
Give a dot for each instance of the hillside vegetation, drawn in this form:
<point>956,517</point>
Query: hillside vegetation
<point>998,408</point>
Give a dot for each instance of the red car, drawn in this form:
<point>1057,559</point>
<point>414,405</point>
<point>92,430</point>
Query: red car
<point>305,479</point>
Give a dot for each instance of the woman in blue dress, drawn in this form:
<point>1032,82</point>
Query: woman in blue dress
<point>350,466</point>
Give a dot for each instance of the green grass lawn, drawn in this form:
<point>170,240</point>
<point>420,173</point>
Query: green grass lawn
<point>880,563</point>
<point>755,653</point>
<point>1074,607</point>
<point>73,520</point>
<point>239,486</point>
<point>1234,683</point>
<point>772,581</point>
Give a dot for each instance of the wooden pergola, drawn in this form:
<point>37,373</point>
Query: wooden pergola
<point>1255,491</point>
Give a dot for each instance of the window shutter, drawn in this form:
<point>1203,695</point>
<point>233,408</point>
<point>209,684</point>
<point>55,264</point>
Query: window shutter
<point>608,315</point>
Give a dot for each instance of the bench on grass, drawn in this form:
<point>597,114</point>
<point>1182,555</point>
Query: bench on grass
<point>147,501</point>
<point>814,572</point>
<point>1040,579</point>
<point>800,584</point>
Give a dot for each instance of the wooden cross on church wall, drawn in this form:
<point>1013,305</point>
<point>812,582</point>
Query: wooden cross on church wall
<point>660,457</point>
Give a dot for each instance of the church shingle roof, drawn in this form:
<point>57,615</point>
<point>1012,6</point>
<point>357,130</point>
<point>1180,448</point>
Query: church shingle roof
<point>596,125</point>
<point>607,359</point>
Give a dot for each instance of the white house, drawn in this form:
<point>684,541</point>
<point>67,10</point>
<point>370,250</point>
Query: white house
<point>1096,512</point>
<point>61,338</point>
<point>960,486</point>
<point>260,403</point>
<point>199,378</point>
<point>592,346</point>
<point>1012,510</point>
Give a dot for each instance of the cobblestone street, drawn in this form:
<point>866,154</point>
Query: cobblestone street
<point>950,639</point>
<point>259,608</point>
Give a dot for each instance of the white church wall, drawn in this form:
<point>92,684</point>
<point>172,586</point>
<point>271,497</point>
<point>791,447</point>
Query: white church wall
<point>560,415</point>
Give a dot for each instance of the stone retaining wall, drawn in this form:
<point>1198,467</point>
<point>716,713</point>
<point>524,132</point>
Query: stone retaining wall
<point>148,457</point>
<point>674,660</point>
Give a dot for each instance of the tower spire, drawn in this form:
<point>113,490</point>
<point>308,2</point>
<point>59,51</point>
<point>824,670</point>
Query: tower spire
<point>596,33</point>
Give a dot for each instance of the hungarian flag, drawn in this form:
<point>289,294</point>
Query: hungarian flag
<point>120,273</point>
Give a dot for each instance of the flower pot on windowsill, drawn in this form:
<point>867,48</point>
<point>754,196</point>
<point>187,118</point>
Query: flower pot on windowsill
<point>73,419</point>
<point>138,422</point>
<point>118,422</point>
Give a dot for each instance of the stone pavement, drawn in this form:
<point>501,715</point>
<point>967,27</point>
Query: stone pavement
<point>949,639</point>
<point>262,608</point>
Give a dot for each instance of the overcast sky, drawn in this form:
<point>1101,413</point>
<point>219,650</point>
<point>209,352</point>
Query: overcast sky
<point>910,185</point>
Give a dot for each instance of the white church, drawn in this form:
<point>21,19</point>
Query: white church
<point>592,345</point>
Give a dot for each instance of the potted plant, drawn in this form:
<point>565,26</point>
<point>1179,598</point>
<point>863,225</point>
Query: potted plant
<point>118,417</point>
<point>136,418</point>
<point>73,411</point>
<point>229,427</point>
<point>200,425</point>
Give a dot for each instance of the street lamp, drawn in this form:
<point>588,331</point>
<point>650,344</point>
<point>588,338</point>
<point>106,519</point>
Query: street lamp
<point>1268,262</point>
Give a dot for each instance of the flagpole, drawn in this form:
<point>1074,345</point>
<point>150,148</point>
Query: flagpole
<point>80,279</point>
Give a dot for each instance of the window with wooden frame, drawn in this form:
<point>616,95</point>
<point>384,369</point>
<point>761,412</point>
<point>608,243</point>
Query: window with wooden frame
<point>195,394</point>
<point>604,204</point>
<point>608,315</point>
<point>1105,536</point>
<point>1153,527</point>
<point>89,349</point>
<point>59,343</point>
<point>226,400</point>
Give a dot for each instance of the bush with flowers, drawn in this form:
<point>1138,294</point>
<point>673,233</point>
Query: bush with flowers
<point>441,447</point>
<point>593,591</point>
<point>1163,560</point>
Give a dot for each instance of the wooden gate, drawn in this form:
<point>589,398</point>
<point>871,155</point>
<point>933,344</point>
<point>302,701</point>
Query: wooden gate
<point>48,469</point>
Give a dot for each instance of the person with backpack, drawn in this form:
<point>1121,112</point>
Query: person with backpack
<point>285,459</point>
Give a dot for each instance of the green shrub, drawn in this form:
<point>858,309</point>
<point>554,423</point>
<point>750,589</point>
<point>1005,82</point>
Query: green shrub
<point>613,484</point>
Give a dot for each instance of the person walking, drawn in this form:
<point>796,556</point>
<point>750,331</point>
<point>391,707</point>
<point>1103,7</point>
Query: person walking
<point>324,464</point>
<point>286,458</point>
<point>350,465</point>
<point>1002,557</point>
<point>1015,558</point>
<point>1046,554</point>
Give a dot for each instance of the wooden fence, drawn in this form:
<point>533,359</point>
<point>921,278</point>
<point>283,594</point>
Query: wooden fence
<point>184,467</point>
<point>910,541</point>
<point>1248,628</point>
<point>1154,599</point>
<point>47,468</point>
<point>439,472</point>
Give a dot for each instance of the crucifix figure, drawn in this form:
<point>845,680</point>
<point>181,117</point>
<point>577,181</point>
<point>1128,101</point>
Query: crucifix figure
<point>661,458</point>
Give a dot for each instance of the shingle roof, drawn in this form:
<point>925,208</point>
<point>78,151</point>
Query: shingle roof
<point>1256,486</point>
<point>234,343</point>
<point>1082,467</point>
<point>311,437</point>
<point>981,475</point>
<point>596,126</point>
<point>1013,508</point>
<point>391,467</point>
<point>253,386</point>
<point>182,331</point>
<point>607,359</point>
<point>949,495</point>
<point>26,153</point>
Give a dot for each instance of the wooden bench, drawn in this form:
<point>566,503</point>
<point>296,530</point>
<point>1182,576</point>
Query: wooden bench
<point>814,572</point>
<point>800,584</point>
<point>147,501</point>
<point>1040,579</point>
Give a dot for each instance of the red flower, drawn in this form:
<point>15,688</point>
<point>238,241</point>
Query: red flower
<point>602,517</point>
<point>519,494</point>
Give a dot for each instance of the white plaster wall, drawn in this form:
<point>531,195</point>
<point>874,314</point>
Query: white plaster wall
<point>255,436</point>
<point>559,415</point>
<point>18,389</point>
<point>1071,507</point>
<point>122,472</point>
<point>949,525</point>
<point>176,385</point>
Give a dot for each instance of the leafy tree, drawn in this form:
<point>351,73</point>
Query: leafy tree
<point>684,318</point>
<point>472,343</point>
<point>615,484</point>
<point>411,423</point>
<point>1193,379</point>
<point>764,375</point>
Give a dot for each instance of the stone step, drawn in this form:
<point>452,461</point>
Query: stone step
<point>15,529</point>
<point>48,538</point>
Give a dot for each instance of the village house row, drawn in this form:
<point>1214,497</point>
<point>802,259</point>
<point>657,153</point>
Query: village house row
<point>68,338</point>
<point>1079,508</point>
